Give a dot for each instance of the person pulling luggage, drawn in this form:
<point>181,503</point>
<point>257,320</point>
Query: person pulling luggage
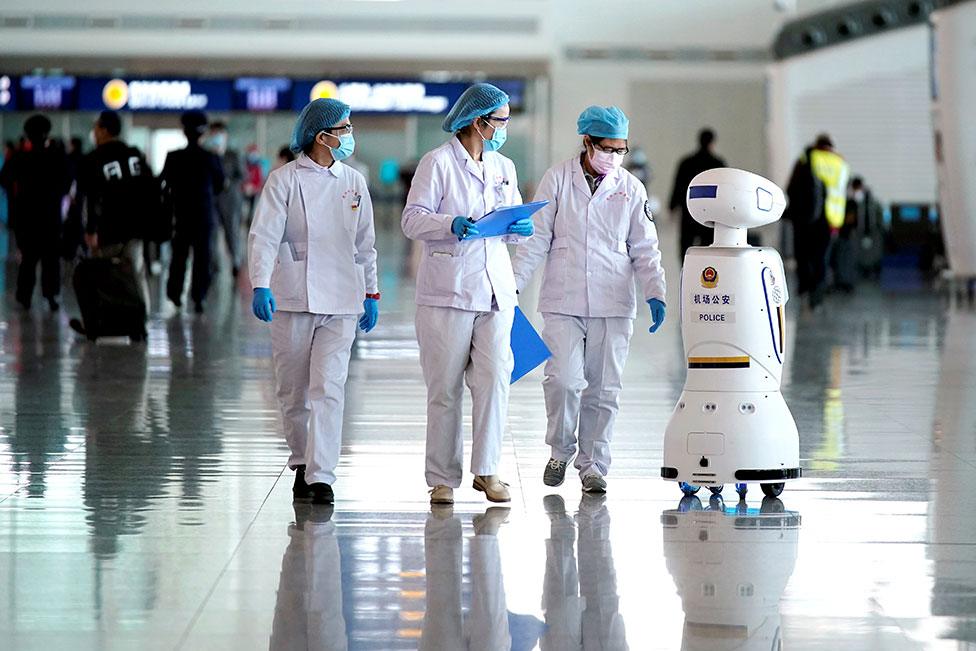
<point>118,195</point>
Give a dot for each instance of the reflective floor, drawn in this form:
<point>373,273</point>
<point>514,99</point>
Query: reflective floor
<point>144,502</point>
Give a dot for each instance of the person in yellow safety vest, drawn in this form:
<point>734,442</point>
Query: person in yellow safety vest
<point>817,194</point>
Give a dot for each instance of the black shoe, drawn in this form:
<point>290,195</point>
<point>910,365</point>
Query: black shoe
<point>300,490</point>
<point>321,493</point>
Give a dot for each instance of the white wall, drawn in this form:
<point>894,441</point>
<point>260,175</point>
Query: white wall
<point>872,96</point>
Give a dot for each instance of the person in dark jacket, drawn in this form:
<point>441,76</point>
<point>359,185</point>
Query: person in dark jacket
<point>808,208</point>
<point>192,177</point>
<point>693,233</point>
<point>36,181</point>
<point>117,193</point>
<point>230,201</point>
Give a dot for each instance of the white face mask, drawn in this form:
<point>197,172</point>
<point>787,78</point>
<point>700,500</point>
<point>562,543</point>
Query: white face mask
<point>604,162</point>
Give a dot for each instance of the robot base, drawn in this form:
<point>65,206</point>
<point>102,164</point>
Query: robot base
<point>722,437</point>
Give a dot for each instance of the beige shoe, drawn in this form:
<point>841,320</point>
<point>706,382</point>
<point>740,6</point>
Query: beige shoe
<point>489,522</point>
<point>442,494</point>
<point>494,488</point>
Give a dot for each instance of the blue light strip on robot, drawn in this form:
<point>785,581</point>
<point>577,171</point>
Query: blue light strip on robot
<point>703,192</point>
<point>769,314</point>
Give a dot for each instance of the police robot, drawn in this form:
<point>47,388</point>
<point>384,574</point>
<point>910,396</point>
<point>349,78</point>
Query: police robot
<point>731,423</point>
<point>731,567</point>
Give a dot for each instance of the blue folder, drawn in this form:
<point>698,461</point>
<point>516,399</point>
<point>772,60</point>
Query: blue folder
<point>498,220</point>
<point>527,346</point>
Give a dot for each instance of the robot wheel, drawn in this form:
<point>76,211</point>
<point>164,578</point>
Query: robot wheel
<point>773,490</point>
<point>742,489</point>
<point>688,489</point>
<point>716,490</point>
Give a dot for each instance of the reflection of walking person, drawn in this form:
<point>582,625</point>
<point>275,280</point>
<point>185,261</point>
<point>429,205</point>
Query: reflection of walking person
<point>308,613</point>
<point>486,624</point>
<point>582,608</point>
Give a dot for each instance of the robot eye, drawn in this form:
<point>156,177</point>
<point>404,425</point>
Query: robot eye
<point>704,192</point>
<point>764,199</point>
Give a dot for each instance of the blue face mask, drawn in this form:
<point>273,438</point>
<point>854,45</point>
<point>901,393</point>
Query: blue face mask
<point>347,145</point>
<point>497,140</point>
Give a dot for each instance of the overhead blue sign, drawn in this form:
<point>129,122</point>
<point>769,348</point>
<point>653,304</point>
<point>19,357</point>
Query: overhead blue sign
<point>394,96</point>
<point>166,95</point>
<point>8,100</point>
<point>37,92</point>
<point>262,94</point>
<point>252,94</point>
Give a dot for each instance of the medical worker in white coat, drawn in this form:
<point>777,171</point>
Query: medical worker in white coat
<point>465,290</point>
<point>595,236</point>
<point>313,268</point>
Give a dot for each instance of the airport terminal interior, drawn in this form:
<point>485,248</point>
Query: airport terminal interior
<point>146,487</point>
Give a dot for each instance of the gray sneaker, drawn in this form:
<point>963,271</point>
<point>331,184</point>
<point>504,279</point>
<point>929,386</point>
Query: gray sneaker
<point>555,473</point>
<point>594,484</point>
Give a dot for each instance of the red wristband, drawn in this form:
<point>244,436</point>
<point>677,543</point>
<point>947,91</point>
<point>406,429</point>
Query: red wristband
<point>375,296</point>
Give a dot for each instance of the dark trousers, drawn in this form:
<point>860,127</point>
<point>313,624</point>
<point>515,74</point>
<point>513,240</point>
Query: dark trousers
<point>33,250</point>
<point>197,238</point>
<point>693,234</point>
<point>810,245</point>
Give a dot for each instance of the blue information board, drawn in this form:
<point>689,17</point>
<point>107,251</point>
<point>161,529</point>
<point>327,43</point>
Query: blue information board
<point>39,93</point>
<point>251,94</point>
<point>154,95</point>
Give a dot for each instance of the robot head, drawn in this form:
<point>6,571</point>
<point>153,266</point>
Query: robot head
<point>734,198</point>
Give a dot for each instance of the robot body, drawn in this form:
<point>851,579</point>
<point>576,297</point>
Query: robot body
<point>731,424</point>
<point>731,568</point>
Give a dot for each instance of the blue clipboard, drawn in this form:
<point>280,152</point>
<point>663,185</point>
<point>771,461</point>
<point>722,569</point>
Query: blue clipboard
<point>527,346</point>
<point>498,220</point>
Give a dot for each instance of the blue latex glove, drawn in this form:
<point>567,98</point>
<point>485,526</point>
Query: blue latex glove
<point>464,228</point>
<point>371,312</point>
<point>657,314</point>
<point>263,304</point>
<point>522,227</point>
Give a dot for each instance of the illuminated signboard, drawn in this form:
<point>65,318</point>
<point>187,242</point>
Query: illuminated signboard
<point>254,94</point>
<point>396,96</point>
<point>47,93</point>
<point>168,95</point>
<point>262,94</point>
<point>7,93</point>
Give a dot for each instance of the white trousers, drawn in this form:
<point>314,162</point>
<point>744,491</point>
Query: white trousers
<point>311,359</point>
<point>485,628</point>
<point>582,386</point>
<point>308,612</point>
<point>456,345</point>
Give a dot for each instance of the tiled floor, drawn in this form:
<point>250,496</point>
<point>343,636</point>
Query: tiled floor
<point>144,502</point>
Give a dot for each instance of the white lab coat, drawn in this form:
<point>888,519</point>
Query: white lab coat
<point>312,239</point>
<point>593,245</point>
<point>463,275</point>
<point>311,242</point>
<point>466,302</point>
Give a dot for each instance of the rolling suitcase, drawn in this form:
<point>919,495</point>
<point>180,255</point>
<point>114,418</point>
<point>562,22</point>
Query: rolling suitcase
<point>110,299</point>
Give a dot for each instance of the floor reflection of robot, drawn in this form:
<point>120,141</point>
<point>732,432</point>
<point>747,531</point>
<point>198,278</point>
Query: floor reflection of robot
<point>731,423</point>
<point>731,567</point>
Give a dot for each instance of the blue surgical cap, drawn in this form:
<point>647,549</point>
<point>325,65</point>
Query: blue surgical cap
<point>317,115</point>
<point>603,122</point>
<point>478,100</point>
